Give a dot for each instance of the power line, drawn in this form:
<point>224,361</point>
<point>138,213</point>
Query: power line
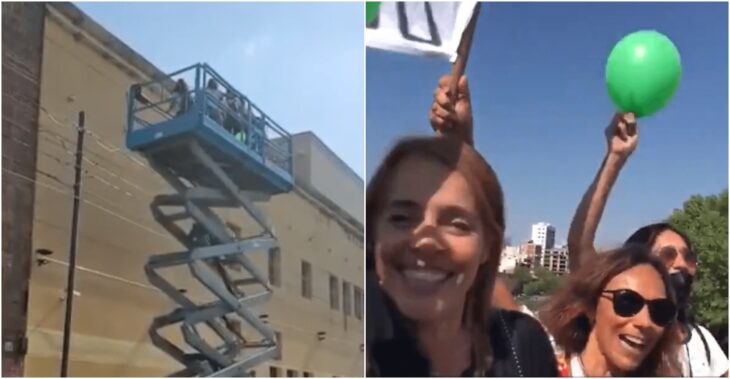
<point>108,148</point>
<point>121,217</point>
<point>346,227</point>
<point>99,141</point>
<point>86,192</point>
<point>102,274</point>
<point>86,170</point>
<point>99,179</point>
<point>102,168</point>
<point>287,285</point>
<point>275,323</point>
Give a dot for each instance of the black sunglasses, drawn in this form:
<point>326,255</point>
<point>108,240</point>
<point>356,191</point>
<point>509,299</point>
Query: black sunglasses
<point>669,255</point>
<point>628,303</point>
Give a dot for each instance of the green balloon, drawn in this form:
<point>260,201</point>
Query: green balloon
<point>643,72</point>
<point>371,10</point>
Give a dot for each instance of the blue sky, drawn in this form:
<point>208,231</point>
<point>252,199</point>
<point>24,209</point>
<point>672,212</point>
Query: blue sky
<point>540,108</point>
<point>301,63</point>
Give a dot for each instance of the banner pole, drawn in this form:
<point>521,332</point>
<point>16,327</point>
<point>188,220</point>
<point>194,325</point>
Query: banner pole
<point>457,69</point>
<point>459,66</point>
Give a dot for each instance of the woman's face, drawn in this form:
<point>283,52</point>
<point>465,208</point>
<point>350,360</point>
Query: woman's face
<point>676,262</point>
<point>429,241</point>
<point>626,341</point>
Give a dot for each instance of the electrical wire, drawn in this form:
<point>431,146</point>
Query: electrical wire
<point>286,285</point>
<point>86,172</point>
<point>347,229</point>
<point>115,214</point>
<point>276,324</point>
<point>60,142</point>
<point>102,274</point>
<point>112,149</point>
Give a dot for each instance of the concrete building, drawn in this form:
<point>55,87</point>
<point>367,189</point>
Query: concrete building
<point>543,234</point>
<point>58,62</point>
<point>317,167</point>
<point>527,253</point>
<point>529,250</point>
<point>510,258</point>
<point>555,260</point>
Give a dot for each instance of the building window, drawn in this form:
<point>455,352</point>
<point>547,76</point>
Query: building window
<point>292,374</point>
<point>346,308</point>
<point>252,373</point>
<point>307,374</point>
<point>275,267</point>
<point>274,371</point>
<point>334,292</point>
<point>358,302</point>
<point>279,345</point>
<point>306,280</point>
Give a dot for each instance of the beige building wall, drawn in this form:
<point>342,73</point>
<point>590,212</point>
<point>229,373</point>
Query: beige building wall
<point>318,167</point>
<point>114,305</point>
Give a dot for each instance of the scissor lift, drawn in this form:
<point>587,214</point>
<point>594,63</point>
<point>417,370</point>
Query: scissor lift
<point>213,155</point>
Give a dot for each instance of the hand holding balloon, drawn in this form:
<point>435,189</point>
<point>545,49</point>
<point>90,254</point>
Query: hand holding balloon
<point>643,72</point>
<point>622,135</point>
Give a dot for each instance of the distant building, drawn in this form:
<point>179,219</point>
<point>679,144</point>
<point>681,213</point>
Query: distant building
<point>509,260</point>
<point>543,234</point>
<point>529,250</point>
<point>527,253</point>
<point>555,260</point>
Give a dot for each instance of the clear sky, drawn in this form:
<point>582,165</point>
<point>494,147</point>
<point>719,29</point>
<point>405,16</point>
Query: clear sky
<point>540,107</point>
<point>302,63</point>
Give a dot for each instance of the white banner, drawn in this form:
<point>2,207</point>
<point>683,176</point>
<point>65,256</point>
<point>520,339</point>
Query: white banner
<point>421,28</point>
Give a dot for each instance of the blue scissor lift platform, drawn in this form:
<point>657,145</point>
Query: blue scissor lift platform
<point>216,149</point>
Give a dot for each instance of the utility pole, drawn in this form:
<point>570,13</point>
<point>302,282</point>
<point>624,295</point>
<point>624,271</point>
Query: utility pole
<point>72,250</point>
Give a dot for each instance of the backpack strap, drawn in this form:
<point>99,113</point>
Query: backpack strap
<point>500,316</point>
<point>704,342</point>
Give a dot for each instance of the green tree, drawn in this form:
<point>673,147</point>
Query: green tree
<point>705,220</point>
<point>545,283</point>
<point>519,278</point>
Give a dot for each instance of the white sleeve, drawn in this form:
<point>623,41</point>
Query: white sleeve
<point>718,359</point>
<point>527,311</point>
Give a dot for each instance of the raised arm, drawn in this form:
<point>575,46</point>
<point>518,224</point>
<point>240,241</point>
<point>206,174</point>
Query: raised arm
<point>621,137</point>
<point>456,120</point>
<point>451,118</point>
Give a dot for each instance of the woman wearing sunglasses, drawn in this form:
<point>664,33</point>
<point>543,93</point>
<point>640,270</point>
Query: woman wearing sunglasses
<point>457,120</point>
<point>700,354</point>
<point>616,316</point>
<point>435,227</point>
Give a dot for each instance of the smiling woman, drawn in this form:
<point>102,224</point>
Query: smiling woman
<point>616,317</point>
<point>435,219</point>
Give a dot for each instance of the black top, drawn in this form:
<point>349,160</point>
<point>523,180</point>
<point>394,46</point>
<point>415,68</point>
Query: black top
<point>520,345</point>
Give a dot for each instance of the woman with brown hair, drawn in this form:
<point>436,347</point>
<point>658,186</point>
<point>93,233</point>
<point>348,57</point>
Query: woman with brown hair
<point>435,228</point>
<point>700,354</point>
<point>612,297</point>
<point>616,317</point>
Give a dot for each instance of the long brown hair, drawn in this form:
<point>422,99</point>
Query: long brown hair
<point>647,235</point>
<point>482,180</point>
<point>565,316</point>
